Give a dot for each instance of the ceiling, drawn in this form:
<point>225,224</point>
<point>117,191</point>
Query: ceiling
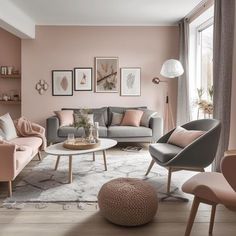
<point>106,12</point>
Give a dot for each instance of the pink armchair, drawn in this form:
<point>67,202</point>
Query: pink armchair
<point>12,162</point>
<point>213,189</point>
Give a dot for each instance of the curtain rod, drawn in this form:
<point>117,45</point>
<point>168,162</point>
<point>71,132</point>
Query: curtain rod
<point>202,6</point>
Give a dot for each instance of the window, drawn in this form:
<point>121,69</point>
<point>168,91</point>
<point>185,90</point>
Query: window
<point>201,66</point>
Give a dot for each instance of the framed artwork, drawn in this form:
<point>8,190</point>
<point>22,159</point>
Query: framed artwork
<point>106,74</point>
<point>131,81</point>
<point>62,82</point>
<point>3,70</point>
<point>83,79</point>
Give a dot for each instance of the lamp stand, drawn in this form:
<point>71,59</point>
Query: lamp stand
<point>168,114</point>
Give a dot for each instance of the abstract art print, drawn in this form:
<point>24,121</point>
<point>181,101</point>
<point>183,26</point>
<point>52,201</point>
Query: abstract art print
<point>106,74</point>
<point>131,81</point>
<point>62,82</point>
<point>83,79</point>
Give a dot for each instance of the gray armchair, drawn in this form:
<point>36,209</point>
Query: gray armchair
<point>195,157</point>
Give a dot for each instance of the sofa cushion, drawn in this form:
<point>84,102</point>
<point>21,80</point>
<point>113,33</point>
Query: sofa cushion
<point>116,118</point>
<point>7,127</point>
<point>23,157</point>
<point>120,110</point>
<point>65,117</point>
<point>33,142</point>
<point>128,131</point>
<point>64,131</point>
<point>99,114</point>
<point>132,118</point>
<point>164,152</point>
<point>147,115</point>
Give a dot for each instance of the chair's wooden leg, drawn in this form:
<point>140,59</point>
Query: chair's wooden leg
<point>104,158</point>
<point>192,216</point>
<point>39,156</point>
<point>93,156</point>
<point>150,167</point>
<point>57,162</point>
<point>9,188</point>
<point>70,169</point>
<point>213,212</point>
<point>169,180</point>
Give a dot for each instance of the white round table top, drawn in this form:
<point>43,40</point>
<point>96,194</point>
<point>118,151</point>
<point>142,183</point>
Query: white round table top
<point>59,150</point>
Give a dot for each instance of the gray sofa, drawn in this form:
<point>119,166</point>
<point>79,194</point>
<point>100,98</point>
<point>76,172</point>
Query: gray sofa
<point>103,115</point>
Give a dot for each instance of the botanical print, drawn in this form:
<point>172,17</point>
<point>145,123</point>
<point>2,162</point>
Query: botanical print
<point>130,82</point>
<point>83,79</point>
<point>62,83</point>
<point>106,74</point>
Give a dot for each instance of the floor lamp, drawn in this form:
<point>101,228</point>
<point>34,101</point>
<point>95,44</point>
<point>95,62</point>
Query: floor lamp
<point>170,69</point>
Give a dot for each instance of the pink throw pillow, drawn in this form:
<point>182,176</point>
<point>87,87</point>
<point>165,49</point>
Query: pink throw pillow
<point>65,117</point>
<point>132,118</point>
<point>182,137</point>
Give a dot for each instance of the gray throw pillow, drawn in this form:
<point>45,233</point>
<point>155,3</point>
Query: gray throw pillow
<point>7,127</point>
<point>116,118</point>
<point>147,115</point>
<point>99,117</point>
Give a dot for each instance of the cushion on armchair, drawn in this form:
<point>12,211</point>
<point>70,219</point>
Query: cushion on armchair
<point>164,152</point>
<point>182,137</point>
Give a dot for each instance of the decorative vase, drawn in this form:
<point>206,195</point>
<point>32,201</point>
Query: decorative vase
<point>87,132</point>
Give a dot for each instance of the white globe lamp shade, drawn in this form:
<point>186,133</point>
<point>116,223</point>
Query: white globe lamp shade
<point>172,68</point>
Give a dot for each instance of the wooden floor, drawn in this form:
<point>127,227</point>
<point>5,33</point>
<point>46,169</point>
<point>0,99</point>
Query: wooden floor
<point>54,221</point>
<point>70,220</point>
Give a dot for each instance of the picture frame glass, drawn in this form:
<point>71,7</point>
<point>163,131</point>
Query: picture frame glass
<point>62,83</point>
<point>83,79</point>
<point>106,74</point>
<point>130,82</point>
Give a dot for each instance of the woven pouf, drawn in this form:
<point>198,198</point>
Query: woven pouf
<point>128,201</point>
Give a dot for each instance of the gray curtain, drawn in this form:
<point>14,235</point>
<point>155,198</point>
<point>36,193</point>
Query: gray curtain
<point>183,108</point>
<point>222,71</point>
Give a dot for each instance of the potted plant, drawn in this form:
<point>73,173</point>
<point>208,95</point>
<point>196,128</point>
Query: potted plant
<point>83,120</point>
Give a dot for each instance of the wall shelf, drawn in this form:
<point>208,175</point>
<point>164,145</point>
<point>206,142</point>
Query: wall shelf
<point>16,76</point>
<point>10,102</point>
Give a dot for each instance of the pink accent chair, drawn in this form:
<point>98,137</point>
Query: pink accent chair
<point>12,162</point>
<point>213,188</point>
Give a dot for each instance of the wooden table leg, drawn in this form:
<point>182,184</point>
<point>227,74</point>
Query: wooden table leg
<point>70,169</point>
<point>104,158</point>
<point>93,156</point>
<point>57,163</point>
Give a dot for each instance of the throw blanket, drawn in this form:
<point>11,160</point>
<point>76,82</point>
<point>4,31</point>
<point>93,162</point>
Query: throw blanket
<point>27,128</point>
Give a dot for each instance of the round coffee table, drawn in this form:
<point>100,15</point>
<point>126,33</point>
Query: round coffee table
<point>58,150</point>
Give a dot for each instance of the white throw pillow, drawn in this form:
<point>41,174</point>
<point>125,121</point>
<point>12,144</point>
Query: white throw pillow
<point>7,127</point>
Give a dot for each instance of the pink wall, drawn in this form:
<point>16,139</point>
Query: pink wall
<point>66,47</point>
<point>10,55</point>
<point>232,144</point>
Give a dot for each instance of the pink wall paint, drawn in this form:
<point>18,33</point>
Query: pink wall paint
<point>66,47</point>
<point>232,144</point>
<point>10,55</point>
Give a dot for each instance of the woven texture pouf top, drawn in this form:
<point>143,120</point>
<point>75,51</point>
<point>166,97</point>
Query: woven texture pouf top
<point>128,201</point>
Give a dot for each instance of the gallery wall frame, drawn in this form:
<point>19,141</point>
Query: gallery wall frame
<point>106,74</point>
<point>130,81</point>
<point>62,82</point>
<point>83,78</point>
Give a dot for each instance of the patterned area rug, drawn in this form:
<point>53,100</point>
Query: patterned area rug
<point>44,184</point>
